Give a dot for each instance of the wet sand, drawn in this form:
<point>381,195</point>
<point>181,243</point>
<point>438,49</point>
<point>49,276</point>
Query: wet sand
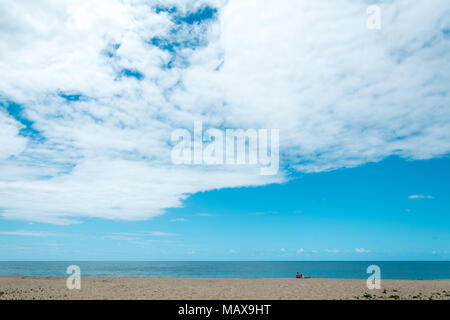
<point>119,288</point>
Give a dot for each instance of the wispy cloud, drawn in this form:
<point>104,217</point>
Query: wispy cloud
<point>420,196</point>
<point>124,234</point>
<point>177,220</point>
<point>333,251</point>
<point>300,250</point>
<point>119,237</point>
<point>98,110</point>
<point>361,250</point>
<point>162,234</point>
<point>137,235</point>
<point>206,215</point>
<point>28,233</point>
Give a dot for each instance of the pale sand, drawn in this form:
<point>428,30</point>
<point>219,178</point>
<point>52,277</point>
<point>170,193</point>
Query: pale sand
<point>205,289</point>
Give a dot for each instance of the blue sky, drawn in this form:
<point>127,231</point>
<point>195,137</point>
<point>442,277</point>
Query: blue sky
<point>364,213</point>
<point>93,92</point>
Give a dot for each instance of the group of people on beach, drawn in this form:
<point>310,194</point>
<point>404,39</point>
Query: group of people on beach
<point>300,276</point>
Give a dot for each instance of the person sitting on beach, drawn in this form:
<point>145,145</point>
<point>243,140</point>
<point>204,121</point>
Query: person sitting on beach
<point>297,275</point>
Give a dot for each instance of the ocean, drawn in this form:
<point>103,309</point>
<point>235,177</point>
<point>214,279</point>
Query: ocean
<point>220,269</point>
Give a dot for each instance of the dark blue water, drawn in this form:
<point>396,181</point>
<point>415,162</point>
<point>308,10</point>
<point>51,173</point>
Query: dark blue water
<point>274,269</point>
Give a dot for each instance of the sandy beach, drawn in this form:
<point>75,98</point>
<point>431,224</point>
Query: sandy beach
<point>119,288</point>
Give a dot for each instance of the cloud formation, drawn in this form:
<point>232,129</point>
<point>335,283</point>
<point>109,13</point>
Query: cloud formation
<point>420,196</point>
<point>93,89</point>
<point>206,215</point>
<point>28,233</point>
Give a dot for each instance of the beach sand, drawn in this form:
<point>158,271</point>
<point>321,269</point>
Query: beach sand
<point>119,288</point>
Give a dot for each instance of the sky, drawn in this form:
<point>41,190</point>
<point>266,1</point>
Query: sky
<point>92,91</point>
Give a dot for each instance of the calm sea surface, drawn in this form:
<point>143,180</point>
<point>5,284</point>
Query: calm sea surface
<point>281,269</point>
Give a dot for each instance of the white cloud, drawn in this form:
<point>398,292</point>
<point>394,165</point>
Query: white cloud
<point>125,234</point>
<point>178,220</point>
<point>141,234</point>
<point>162,234</point>
<point>282,249</point>
<point>361,250</point>
<point>340,91</point>
<point>28,233</point>
<point>206,215</point>
<point>141,238</point>
<point>11,144</point>
<point>333,251</point>
<point>341,95</point>
<point>119,237</point>
<point>300,251</point>
<point>419,196</point>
